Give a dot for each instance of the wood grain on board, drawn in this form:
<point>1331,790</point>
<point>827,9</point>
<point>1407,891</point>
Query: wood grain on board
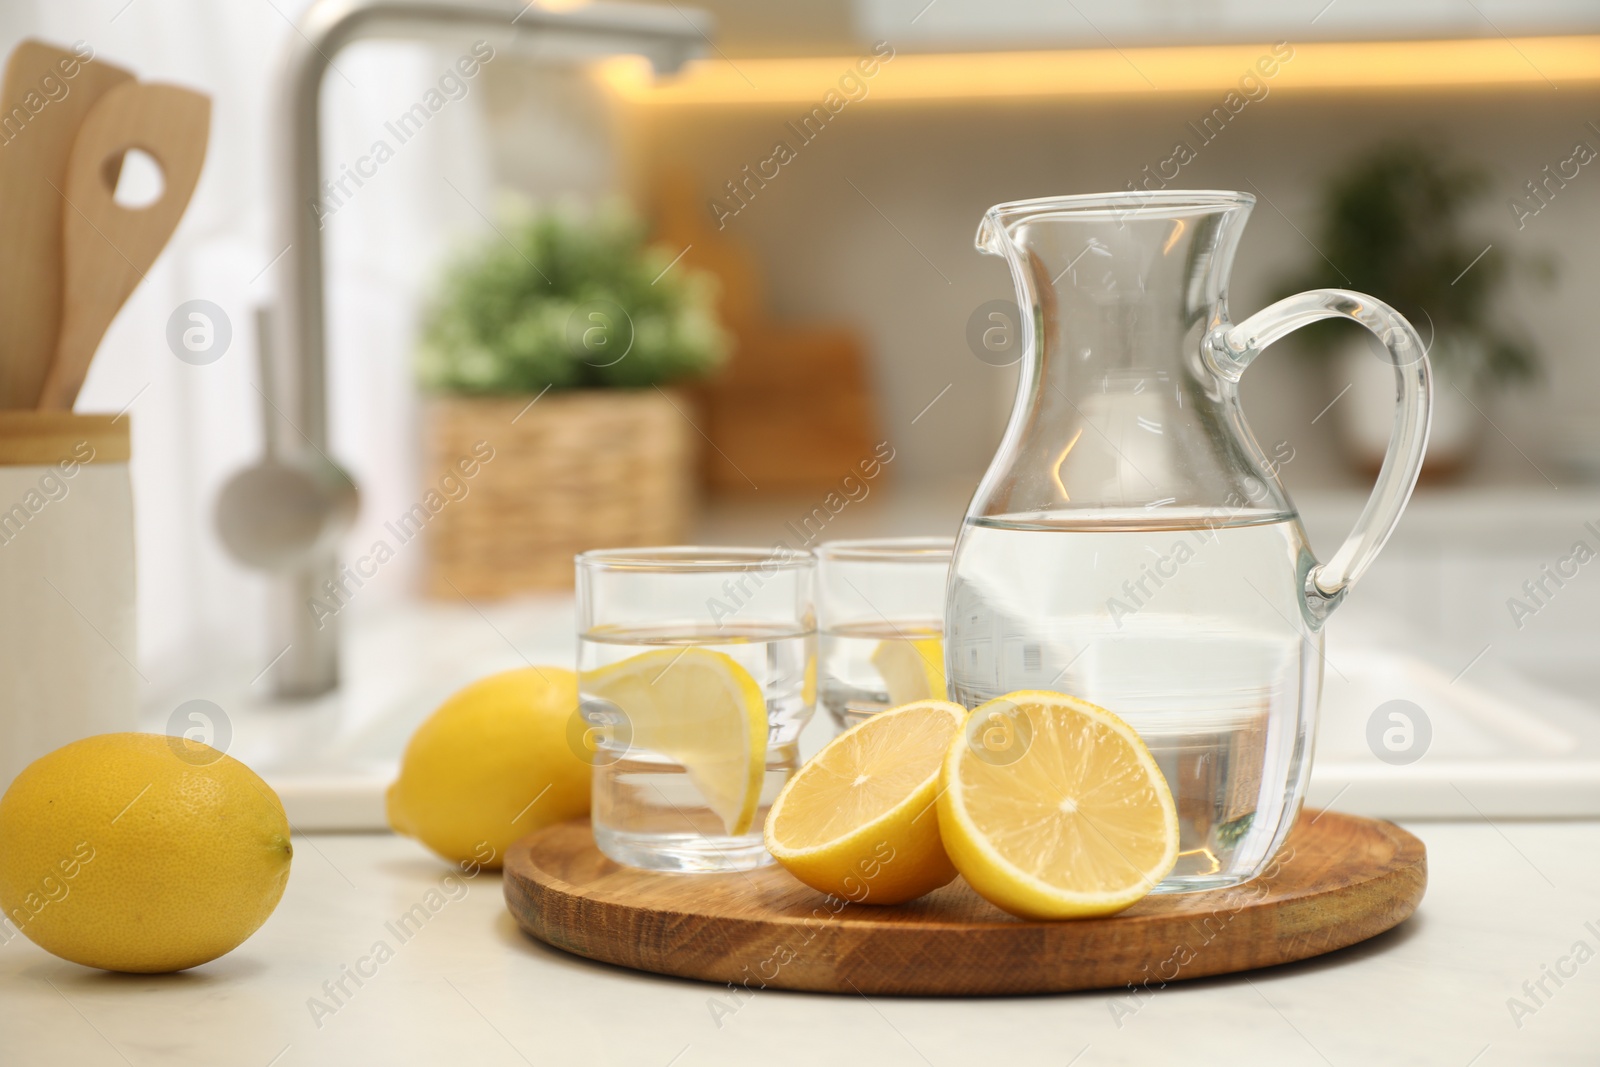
<point>1339,879</point>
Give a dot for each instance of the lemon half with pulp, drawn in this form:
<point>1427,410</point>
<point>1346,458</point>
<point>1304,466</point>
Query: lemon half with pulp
<point>858,819</point>
<point>1053,808</point>
<point>700,709</point>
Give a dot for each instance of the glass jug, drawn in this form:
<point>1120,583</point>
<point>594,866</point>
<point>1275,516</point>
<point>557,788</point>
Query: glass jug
<point>1131,543</point>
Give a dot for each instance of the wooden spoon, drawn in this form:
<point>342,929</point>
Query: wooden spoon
<point>46,95</point>
<point>106,248</point>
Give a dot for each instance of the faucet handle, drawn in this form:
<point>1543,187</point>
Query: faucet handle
<point>292,504</point>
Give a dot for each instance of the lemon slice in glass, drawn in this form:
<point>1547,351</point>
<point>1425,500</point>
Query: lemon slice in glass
<point>912,669</point>
<point>1053,808</point>
<point>698,708</point>
<point>858,820</point>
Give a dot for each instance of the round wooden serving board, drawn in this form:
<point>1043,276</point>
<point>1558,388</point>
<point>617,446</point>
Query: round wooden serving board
<point>1340,879</point>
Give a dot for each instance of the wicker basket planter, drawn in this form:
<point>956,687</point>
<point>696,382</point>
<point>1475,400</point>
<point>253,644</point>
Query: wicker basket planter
<point>593,468</point>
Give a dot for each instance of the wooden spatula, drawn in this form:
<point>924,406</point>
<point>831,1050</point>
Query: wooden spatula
<point>106,248</point>
<point>45,96</point>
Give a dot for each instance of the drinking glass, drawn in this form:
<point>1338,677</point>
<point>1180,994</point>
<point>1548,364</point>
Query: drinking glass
<point>669,640</point>
<point>882,620</point>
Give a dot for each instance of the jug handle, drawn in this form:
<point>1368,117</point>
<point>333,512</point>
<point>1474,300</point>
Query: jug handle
<point>1231,348</point>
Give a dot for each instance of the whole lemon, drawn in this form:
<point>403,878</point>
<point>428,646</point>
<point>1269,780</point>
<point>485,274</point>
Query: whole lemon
<point>138,852</point>
<point>495,762</point>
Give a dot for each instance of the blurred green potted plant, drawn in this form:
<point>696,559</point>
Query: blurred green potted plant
<point>548,357</point>
<point>1392,224</point>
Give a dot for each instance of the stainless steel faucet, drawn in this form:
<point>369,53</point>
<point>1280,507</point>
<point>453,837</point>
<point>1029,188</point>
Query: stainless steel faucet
<point>287,514</point>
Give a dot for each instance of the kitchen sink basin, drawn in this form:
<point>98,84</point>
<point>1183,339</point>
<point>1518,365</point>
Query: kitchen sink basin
<point>1497,745</point>
<point>1512,729</point>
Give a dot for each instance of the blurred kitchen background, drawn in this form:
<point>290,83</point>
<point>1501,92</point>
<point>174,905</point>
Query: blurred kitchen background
<point>849,282</point>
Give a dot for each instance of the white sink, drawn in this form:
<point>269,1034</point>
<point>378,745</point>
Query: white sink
<point>1500,745</point>
<point>1515,731</point>
<point>331,759</point>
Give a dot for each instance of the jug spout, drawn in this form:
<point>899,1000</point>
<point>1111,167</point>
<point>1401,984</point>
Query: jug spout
<point>1126,275</point>
<point>992,236</point>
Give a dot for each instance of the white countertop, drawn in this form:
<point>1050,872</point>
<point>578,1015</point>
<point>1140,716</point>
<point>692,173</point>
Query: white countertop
<point>1505,901</point>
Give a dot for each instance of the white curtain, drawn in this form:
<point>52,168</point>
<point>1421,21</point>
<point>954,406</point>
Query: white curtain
<point>194,425</point>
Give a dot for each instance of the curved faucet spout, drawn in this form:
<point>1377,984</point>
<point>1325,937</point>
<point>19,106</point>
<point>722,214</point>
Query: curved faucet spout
<point>295,385</point>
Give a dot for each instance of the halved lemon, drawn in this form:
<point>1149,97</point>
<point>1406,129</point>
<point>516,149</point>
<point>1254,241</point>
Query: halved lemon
<point>912,669</point>
<point>1053,808</point>
<point>699,708</point>
<point>858,820</point>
